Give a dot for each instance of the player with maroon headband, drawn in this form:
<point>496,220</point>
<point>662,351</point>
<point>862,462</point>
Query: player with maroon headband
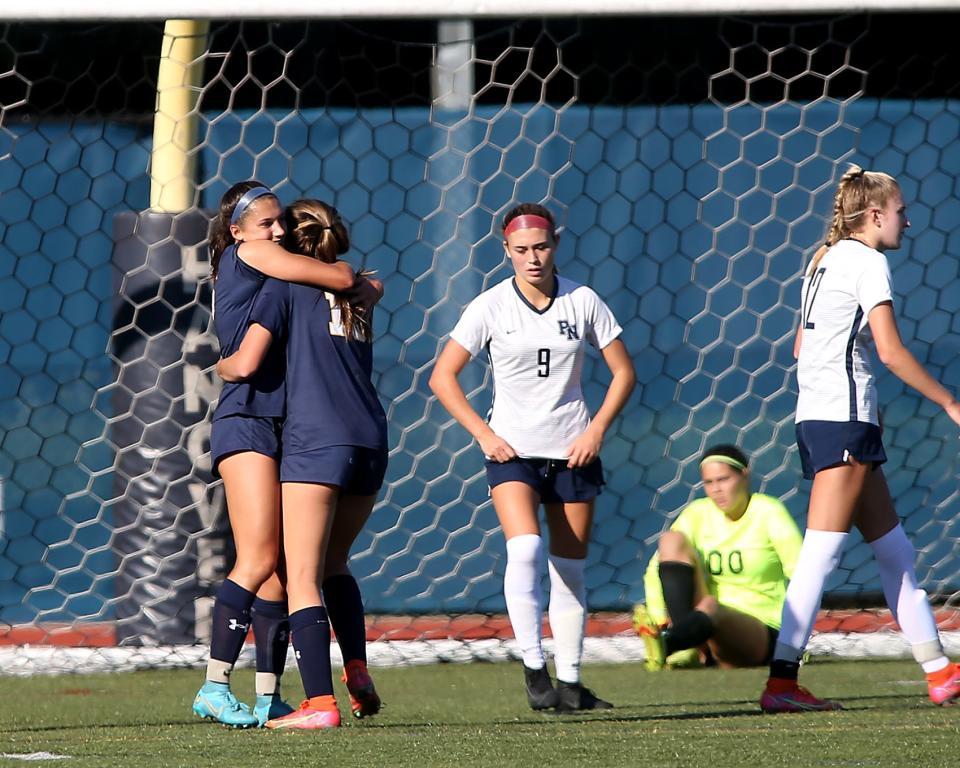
<point>541,444</point>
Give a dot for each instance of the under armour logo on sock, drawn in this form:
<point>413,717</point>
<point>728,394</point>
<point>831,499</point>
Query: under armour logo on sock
<point>234,624</point>
<point>297,654</point>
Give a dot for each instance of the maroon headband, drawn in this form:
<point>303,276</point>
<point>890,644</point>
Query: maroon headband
<point>528,221</point>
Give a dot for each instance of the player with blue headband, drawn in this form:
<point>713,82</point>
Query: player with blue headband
<point>245,452</point>
<point>245,201</point>
<point>334,444</point>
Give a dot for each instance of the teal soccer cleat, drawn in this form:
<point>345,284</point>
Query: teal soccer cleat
<point>270,706</point>
<point>215,701</point>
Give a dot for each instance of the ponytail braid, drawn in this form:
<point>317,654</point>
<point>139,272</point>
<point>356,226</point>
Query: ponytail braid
<point>857,191</point>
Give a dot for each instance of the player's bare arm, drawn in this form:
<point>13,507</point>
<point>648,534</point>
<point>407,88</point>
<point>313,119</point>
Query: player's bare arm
<point>446,386</point>
<point>243,363</point>
<point>586,447</point>
<point>901,362</point>
<point>273,260</point>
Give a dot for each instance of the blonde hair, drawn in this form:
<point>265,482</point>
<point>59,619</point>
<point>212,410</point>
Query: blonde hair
<point>315,229</point>
<point>857,192</point>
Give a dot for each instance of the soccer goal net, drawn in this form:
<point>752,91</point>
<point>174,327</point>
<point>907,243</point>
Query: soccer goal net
<point>690,159</point>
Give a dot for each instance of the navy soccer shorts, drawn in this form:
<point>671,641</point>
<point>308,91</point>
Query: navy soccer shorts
<point>551,478</point>
<point>236,434</point>
<point>825,444</point>
<point>357,471</point>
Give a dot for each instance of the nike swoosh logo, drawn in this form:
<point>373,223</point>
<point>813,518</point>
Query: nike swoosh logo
<point>217,711</point>
<point>513,331</point>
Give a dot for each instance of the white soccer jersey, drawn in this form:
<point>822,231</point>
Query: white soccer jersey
<point>833,372</point>
<point>537,357</point>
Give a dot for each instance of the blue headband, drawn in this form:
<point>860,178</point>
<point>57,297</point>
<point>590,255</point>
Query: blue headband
<point>244,202</point>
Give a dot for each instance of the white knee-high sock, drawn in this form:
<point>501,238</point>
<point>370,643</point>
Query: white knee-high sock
<point>521,588</point>
<point>819,557</point>
<point>908,602</point>
<point>568,615</point>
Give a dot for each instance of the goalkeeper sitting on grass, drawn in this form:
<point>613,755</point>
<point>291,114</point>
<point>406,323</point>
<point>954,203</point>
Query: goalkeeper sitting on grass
<point>716,585</point>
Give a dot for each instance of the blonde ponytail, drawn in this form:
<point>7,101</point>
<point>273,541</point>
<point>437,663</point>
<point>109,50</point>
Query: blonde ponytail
<point>857,192</point>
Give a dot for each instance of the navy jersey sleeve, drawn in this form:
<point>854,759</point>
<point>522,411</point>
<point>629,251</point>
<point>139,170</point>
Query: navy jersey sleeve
<point>272,307</point>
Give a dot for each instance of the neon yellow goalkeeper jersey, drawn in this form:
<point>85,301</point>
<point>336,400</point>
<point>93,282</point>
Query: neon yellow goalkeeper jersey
<point>746,562</point>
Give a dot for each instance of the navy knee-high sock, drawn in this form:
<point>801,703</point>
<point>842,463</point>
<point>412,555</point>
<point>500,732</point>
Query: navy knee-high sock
<point>311,641</point>
<point>345,609</point>
<point>231,621</point>
<point>271,630</point>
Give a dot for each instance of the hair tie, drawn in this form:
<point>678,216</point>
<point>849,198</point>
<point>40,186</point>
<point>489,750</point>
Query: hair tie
<point>729,460</point>
<point>528,221</point>
<point>244,202</point>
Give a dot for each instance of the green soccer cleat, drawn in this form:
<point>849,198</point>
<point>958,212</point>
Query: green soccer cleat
<point>215,701</point>
<point>652,635</point>
<point>688,658</point>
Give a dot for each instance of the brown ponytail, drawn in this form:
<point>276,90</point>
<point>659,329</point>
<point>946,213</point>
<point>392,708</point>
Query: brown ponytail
<point>315,229</point>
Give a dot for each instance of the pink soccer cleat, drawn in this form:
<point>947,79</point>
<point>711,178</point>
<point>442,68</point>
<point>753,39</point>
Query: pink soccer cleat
<point>787,696</point>
<point>314,714</point>
<point>364,700</point>
<point>948,691</point>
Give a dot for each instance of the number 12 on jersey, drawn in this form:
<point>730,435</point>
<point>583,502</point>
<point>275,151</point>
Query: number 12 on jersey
<point>811,296</point>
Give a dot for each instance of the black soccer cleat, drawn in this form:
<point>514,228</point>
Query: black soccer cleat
<point>540,691</point>
<point>573,697</point>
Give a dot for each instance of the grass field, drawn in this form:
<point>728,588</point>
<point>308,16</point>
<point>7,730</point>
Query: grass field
<point>476,715</point>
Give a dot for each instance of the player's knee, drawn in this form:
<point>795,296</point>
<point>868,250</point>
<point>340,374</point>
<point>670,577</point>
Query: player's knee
<point>673,545</point>
<point>708,605</point>
<point>256,570</point>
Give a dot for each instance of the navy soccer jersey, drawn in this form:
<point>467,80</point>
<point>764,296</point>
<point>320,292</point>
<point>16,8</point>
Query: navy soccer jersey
<point>235,292</point>
<point>330,397</point>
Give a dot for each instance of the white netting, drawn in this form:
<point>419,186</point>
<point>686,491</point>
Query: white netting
<point>691,182</point>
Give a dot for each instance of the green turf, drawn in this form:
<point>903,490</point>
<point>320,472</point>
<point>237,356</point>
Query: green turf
<point>475,715</point>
